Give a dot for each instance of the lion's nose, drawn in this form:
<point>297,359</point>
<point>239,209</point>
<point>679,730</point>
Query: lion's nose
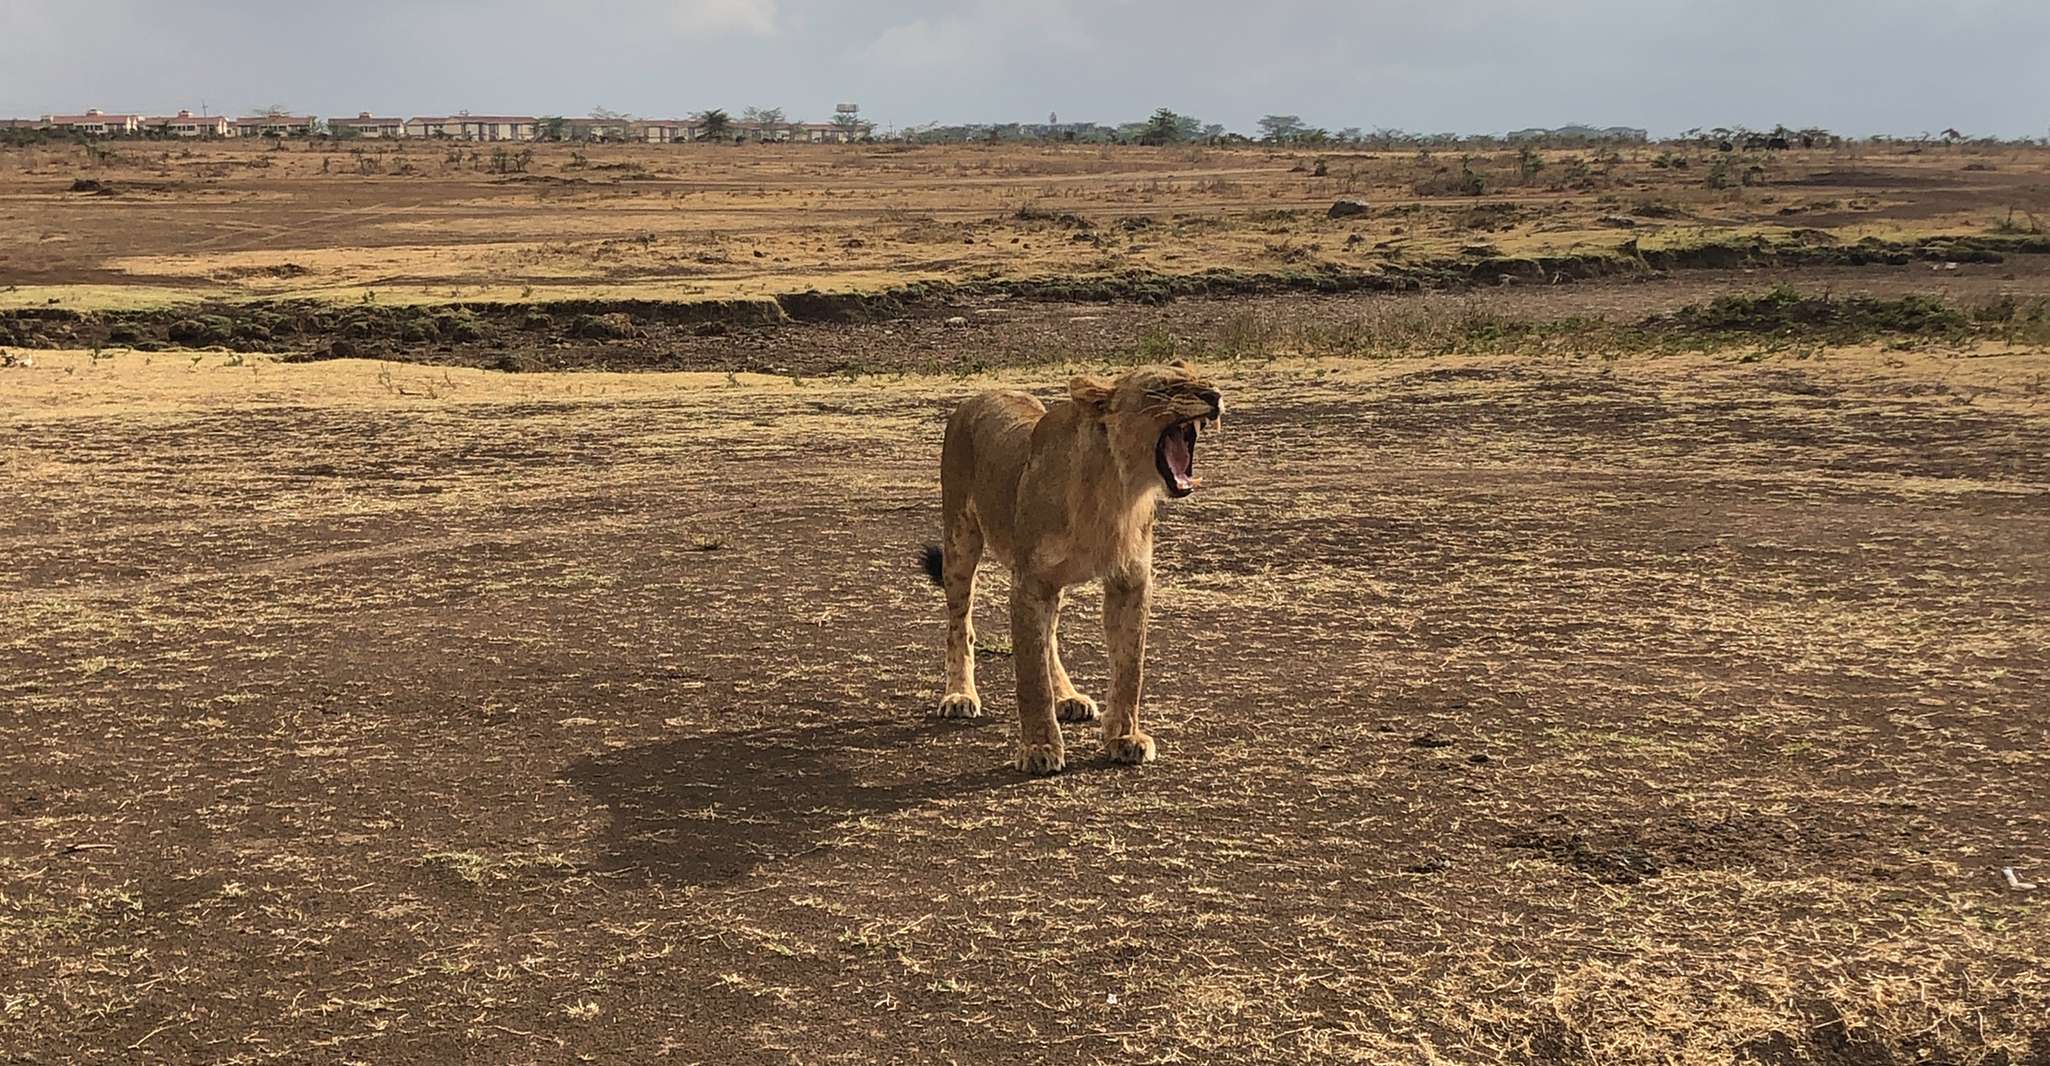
<point>1211,397</point>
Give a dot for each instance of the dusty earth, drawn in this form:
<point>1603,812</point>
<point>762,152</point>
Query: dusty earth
<point>1540,677</point>
<point>1682,708</point>
<point>150,223</point>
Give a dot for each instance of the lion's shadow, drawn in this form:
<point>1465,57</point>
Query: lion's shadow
<point>708,809</point>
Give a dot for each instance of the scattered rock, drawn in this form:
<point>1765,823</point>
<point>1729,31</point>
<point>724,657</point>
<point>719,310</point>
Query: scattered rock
<point>1617,222</point>
<point>1430,740</point>
<point>617,325</point>
<point>520,363</point>
<point>1346,209</point>
<point>462,325</point>
<point>201,331</point>
<point>1028,213</point>
<point>957,321</point>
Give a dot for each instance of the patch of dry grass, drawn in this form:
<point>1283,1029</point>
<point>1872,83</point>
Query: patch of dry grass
<point>701,222</point>
<point>1666,710</point>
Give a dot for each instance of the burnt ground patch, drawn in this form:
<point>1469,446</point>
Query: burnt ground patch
<point>967,326</point>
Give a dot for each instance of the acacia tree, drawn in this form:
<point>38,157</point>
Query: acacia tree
<point>607,124</point>
<point>1281,129</point>
<point>762,117</point>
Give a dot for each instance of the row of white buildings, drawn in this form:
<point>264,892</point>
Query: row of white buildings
<point>459,127</point>
<point>97,123</point>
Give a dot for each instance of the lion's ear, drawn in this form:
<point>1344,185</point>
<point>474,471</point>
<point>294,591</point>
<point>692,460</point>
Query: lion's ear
<point>1091,392</point>
<point>1179,364</point>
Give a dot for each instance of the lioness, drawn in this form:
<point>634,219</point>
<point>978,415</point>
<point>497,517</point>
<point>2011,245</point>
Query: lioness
<point>1064,495</point>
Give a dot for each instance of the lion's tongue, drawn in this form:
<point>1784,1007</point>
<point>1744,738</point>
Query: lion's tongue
<point>1175,449</point>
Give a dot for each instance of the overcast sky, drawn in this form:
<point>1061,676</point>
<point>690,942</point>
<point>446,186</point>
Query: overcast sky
<point>1471,66</point>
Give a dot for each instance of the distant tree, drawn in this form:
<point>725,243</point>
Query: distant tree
<point>1214,131</point>
<point>850,123</point>
<point>767,116</point>
<point>1281,129</point>
<point>1350,135</point>
<point>1165,127</point>
<point>608,125</point>
<point>551,127</point>
<point>272,110</point>
<point>717,125</point>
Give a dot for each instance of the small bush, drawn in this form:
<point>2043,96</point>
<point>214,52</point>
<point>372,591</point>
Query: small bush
<point>1785,310</point>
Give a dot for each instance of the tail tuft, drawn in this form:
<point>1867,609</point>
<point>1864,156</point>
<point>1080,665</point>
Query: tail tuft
<point>934,562</point>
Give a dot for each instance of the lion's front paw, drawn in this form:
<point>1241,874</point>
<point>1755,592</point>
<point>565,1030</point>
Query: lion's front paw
<point>1075,708</point>
<point>959,705</point>
<point>1132,748</point>
<point>1040,759</point>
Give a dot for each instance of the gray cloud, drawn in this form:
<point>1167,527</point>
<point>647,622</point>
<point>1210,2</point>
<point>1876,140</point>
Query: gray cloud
<point>1462,65</point>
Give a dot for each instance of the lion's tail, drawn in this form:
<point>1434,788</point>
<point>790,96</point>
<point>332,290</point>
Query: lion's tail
<point>935,562</point>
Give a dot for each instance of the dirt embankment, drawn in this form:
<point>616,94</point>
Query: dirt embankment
<point>739,334</point>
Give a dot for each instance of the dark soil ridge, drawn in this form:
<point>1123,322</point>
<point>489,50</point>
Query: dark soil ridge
<point>522,336</point>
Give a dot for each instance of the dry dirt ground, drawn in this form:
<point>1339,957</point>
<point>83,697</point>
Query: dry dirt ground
<point>146,223</point>
<point>1678,709</point>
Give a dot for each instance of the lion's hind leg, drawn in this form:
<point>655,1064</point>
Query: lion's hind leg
<point>1069,704</point>
<point>959,557</point>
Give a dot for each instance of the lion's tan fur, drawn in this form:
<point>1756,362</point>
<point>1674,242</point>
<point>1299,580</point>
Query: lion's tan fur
<point>1061,495</point>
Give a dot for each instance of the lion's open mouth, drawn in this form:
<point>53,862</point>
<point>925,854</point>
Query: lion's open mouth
<point>1175,455</point>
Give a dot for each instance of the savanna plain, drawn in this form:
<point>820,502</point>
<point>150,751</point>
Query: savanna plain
<point>462,604</point>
